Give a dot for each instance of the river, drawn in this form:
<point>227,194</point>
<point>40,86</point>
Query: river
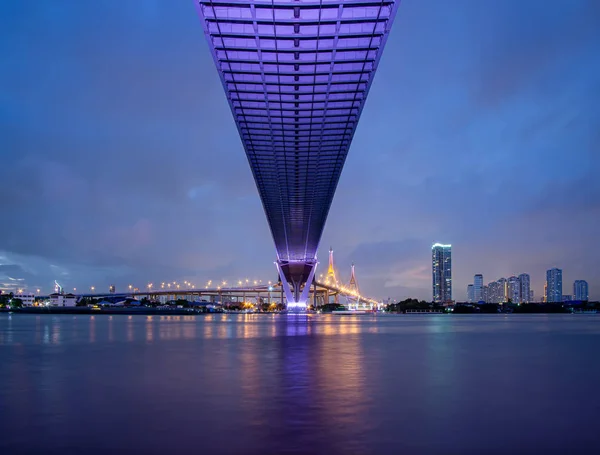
<point>275,384</point>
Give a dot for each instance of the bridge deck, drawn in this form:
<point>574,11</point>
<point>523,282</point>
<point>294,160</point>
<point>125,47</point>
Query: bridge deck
<point>296,74</point>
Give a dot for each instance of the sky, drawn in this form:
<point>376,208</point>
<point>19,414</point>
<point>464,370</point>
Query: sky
<point>121,163</point>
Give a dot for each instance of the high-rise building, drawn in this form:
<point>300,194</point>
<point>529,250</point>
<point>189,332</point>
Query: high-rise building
<point>513,287</point>
<point>567,298</point>
<point>580,290</point>
<point>441,264</point>
<point>531,295</point>
<point>554,285</point>
<point>470,293</point>
<point>484,294</point>
<point>492,293</point>
<point>524,283</point>
<point>478,288</point>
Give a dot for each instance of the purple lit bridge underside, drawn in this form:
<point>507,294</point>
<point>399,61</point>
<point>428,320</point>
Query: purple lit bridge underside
<point>296,74</point>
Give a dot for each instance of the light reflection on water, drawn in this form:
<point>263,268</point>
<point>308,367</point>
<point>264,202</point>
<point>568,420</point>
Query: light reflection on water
<point>248,383</point>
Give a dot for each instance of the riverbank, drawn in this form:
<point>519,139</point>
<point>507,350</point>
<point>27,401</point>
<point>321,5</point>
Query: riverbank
<point>108,310</point>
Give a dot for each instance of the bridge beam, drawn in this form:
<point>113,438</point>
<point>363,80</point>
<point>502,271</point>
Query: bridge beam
<point>296,75</point>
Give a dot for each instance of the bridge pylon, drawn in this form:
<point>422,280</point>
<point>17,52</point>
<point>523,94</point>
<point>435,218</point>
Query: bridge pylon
<point>331,277</point>
<point>293,275</point>
<point>353,284</point>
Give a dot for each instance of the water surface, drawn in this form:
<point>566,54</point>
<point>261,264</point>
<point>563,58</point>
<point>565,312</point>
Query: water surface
<point>271,384</point>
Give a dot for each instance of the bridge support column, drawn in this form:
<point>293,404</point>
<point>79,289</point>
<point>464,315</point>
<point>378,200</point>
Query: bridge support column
<point>298,274</point>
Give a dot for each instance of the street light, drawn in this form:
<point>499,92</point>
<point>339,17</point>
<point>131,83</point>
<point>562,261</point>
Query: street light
<point>93,288</point>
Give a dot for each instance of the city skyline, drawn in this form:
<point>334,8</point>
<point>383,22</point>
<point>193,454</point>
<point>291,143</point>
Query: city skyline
<point>521,285</point>
<point>116,171</point>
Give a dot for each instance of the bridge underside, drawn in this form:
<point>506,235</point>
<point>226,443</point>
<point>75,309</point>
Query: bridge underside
<point>296,74</point>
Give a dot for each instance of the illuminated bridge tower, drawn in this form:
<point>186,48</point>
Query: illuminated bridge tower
<point>296,74</point>
<point>331,270</point>
<point>353,284</point>
<point>331,277</point>
<point>354,298</point>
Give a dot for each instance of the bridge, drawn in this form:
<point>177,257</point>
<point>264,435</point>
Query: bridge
<point>321,294</point>
<point>296,74</point>
<point>323,289</point>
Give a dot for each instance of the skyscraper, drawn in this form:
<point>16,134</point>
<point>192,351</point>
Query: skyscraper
<point>441,264</point>
<point>478,287</point>
<point>502,290</point>
<point>514,290</point>
<point>524,282</point>
<point>580,290</point>
<point>554,285</point>
<point>492,292</point>
<point>470,293</point>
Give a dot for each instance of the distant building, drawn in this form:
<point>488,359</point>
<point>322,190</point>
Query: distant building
<point>441,264</point>
<point>554,285</point>
<point>567,298</point>
<point>524,283</point>
<point>478,287</point>
<point>531,296</point>
<point>513,290</point>
<point>484,294</point>
<point>502,290</point>
<point>111,289</point>
<point>27,298</point>
<point>470,293</point>
<point>63,299</point>
<point>580,291</point>
<point>492,292</point>
<point>496,291</point>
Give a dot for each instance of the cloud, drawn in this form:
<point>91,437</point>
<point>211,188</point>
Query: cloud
<point>122,163</point>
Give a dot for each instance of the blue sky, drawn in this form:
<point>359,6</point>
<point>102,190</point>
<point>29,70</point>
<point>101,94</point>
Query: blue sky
<point>121,162</point>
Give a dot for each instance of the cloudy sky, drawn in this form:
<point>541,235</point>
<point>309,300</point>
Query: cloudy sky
<point>121,162</point>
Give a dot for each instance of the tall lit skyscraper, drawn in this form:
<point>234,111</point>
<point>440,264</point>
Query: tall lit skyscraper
<point>580,290</point>
<point>554,285</point>
<point>470,293</point>
<point>441,264</point>
<point>478,287</point>
<point>524,282</point>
